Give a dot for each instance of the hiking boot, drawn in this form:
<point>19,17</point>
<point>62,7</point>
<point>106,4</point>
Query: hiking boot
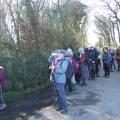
<point>107,76</point>
<point>3,106</point>
<point>97,75</point>
<point>75,92</point>
<point>64,111</point>
<point>92,78</point>
<point>58,109</point>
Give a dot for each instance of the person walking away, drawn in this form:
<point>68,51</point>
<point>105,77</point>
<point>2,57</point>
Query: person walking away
<point>118,58</point>
<point>83,66</point>
<point>106,62</point>
<point>59,67</point>
<point>2,85</point>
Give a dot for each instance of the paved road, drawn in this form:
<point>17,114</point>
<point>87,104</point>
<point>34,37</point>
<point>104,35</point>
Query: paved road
<point>98,101</point>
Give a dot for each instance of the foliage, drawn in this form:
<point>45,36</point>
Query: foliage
<point>29,30</point>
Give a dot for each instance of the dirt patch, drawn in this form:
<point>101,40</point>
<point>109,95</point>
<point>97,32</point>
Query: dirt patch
<point>20,110</point>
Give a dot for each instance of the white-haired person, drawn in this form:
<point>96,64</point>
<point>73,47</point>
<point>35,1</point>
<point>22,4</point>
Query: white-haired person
<point>83,65</point>
<point>70,81</point>
<point>58,70</point>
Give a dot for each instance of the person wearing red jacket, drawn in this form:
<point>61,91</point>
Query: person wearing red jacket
<point>2,85</point>
<point>83,66</point>
<point>118,58</point>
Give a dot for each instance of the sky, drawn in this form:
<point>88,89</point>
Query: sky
<point>95,8</point>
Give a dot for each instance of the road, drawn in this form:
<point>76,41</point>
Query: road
<point>100,100</point>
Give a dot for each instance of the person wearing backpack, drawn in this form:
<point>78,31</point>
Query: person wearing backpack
<point>106,62</point>
<point>71,71</point>
<point>58,68</point>
<point>2,85</point>
<point>118,58</point>
<point>83,66</point>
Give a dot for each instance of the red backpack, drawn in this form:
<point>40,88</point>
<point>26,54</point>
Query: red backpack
<point>82,58</point>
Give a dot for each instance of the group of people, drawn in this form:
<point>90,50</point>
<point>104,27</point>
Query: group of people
<point>69,68</point>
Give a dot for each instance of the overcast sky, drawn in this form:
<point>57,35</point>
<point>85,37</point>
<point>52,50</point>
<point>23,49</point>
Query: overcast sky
<point>95,8</point>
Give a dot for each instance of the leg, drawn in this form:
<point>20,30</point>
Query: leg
<point>89,68</point>
<point>108,69</point>
<point>97,69</point>
<point>69,85</point>
<point>105,69</point>
<point>62,96</point>
<point>118,65</point>
<point>1,98</point>
<point>58,97</point>
<point>93,71</point>
<point>86,74</point>
<point>2,104</point>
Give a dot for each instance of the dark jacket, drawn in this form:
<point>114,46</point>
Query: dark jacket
<point>106,58</point>
<point>92,55</point>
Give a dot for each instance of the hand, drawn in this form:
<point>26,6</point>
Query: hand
<point>53,68</point>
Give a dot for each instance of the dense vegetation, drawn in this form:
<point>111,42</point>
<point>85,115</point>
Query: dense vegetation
<point>29,30</point>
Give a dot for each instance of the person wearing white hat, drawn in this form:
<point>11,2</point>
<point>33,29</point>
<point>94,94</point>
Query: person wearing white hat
<point>83,66</point>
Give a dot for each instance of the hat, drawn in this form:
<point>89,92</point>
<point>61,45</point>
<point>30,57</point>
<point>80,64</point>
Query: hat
<point>81,50</point>
<point>63,52</point>
<point>55,53</point>
<point>69,52</point>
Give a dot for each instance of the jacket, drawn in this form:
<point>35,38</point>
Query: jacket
<point>106,58</point>
<point>92,55</point>
<point>59,72</point>
<point>118,55</point>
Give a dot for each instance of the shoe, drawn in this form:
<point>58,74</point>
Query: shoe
<point>97,75</point>
<point>93,78</point>
<point>75,92</point>
<point>3,106</point>
<point>107,76</point>
<point>58,109</point>
<point>64,111</point>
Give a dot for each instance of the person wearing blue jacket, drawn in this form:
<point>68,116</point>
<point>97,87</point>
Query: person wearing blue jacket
<point>59,67</point>
<point>106,61</point>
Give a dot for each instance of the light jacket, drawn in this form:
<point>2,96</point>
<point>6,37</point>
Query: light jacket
<point>59,73</point>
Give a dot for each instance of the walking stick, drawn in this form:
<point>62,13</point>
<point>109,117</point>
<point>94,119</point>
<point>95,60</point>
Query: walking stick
<point>1,93</point>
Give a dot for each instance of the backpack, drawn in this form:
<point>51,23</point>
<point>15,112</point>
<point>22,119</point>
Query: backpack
<point>82,59</point>
<point>70,71</point>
